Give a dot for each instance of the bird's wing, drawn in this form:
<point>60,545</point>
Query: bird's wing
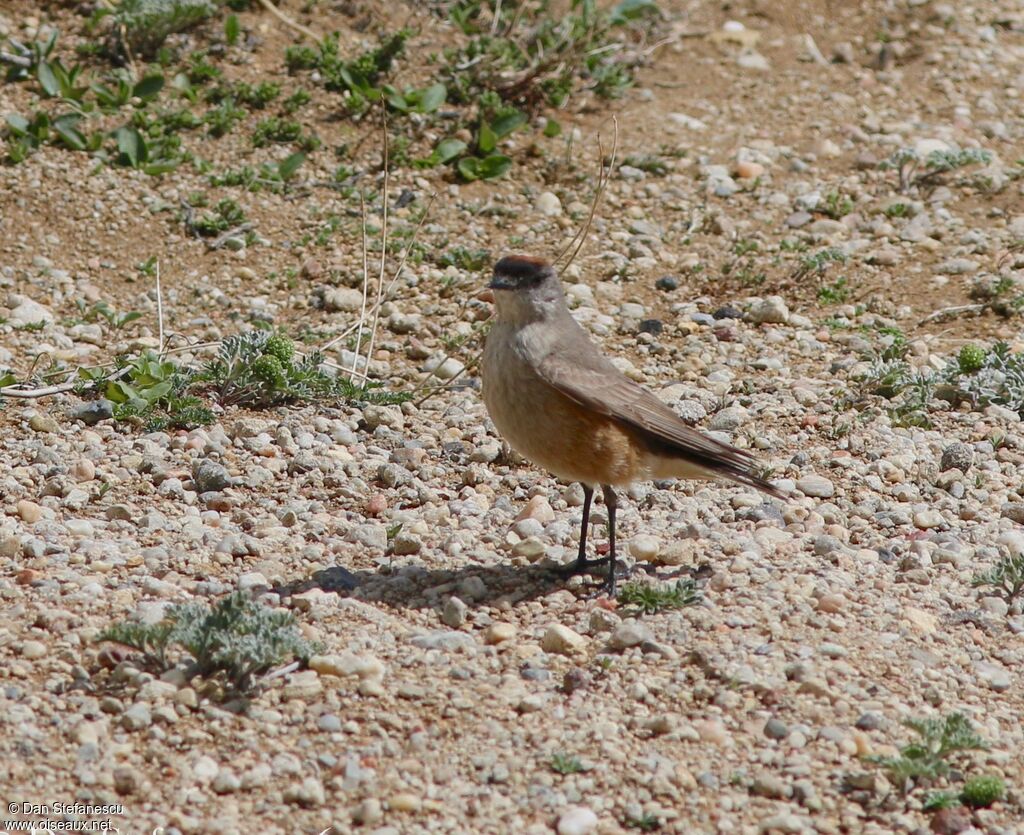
<point>580,373</point>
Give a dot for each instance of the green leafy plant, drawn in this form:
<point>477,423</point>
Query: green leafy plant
<point>982,791</point>
<point>227,214</point>
<point>282,130</point>
<point>250,371</point>
<point>270,176</point>
<point>971,358</point>
<point>102,310</point>
<point>909,164</point>
<point>530,57</point>
<point>927,757</point>
<point>646,822</point>
<point>221,120</point>
<point>153,391</point>
<point>651,598</point>
<point>142,26</point>
<point>236,639</point>
<point>562,763</point>
<point>819,261</point>
<point>837,205</point>
<point>835,293</point>
<point>1006,577</point>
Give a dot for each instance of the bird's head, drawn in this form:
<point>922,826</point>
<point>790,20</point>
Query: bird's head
<point>526,288</point>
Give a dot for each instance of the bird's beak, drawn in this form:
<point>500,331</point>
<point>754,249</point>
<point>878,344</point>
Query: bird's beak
<point>502,282</point>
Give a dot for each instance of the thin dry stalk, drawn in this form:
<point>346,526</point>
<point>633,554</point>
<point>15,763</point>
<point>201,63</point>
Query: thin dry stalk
<point>383,241</point>
<point>366,290</point>
<point>387,292</point>
<point>603,175</point>
<point>159,310</point>
<point>287,21</point>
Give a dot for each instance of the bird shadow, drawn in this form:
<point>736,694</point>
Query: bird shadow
<point>422,587</point>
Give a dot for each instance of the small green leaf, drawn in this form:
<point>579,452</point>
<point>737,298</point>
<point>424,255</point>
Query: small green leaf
<point>431,98</point>
<point>289,165</point>
<point>17,123</point>
<point>628,10</point>
<point>469,168</point>
<point>68,133</point>
<point>494,166</point>
<point>119,391</point>
<point>232,29</point>
<point>48,79</point>
<point>160,166</point>
<point>504,125</point>
<point>131,145</point>
<point>149,87</point>
<point>488,139</point>
<point>396,99</point>
<point>448,149</point>
<point>552,129</point>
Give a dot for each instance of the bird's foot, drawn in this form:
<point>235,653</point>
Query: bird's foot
<point>581,567</point>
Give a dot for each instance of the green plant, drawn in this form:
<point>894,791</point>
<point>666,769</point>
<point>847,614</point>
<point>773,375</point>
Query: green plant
<point>250,371</point>
<point>647,822</point>
<point>358,78</point>
<point>837,205</point>
<point>1006,577</point>
<point>154,391</point>
<point>908,163</point>
<point>271,176</point>
<point>227,214</point>
<point>470,260</point>
<point>819,261</point>
<point>300,98</point>
<point>650,598</point>
<point>282,130</point>
<point>971,358</point>
<point>835,293</point>
<point>237,638</point>
<point>562,763</point>
<point>221,120</point>
<point>103,310</point>
<point>982,791</point>
<point>530,57</point>
<point>145,24</point>
<point>934,801</point>
<point>926,758</point>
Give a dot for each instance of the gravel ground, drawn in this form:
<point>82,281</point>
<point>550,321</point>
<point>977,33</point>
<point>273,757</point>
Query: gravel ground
<point>455,667</point>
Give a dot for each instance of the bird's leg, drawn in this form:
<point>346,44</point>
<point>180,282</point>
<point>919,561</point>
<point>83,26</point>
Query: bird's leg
<point>588,494</point>
<point>582,564</point>
<point>610,502</point>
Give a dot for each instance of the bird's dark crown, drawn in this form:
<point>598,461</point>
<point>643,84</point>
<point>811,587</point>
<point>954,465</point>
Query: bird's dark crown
<point>520,271</point>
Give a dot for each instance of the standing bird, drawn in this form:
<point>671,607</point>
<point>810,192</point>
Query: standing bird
<point>561,404</point>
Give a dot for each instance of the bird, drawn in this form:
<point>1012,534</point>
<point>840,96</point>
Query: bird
<point>561,404</point>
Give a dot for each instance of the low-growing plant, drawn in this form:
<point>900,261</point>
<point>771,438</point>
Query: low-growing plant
<point>227,214</point>
<point>837,205</point>
<point>651,598</point>
<point>819,261</point>
<point>259,369</point>
<point>909,164</point>
<point>1005,577</point>
<point>275,129</point>
<point>237,639</point>
<point>927,758</point>
<point>141,26</point>
<point>981,791</point>
<point>270,176</point>
<point>562,763</point>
